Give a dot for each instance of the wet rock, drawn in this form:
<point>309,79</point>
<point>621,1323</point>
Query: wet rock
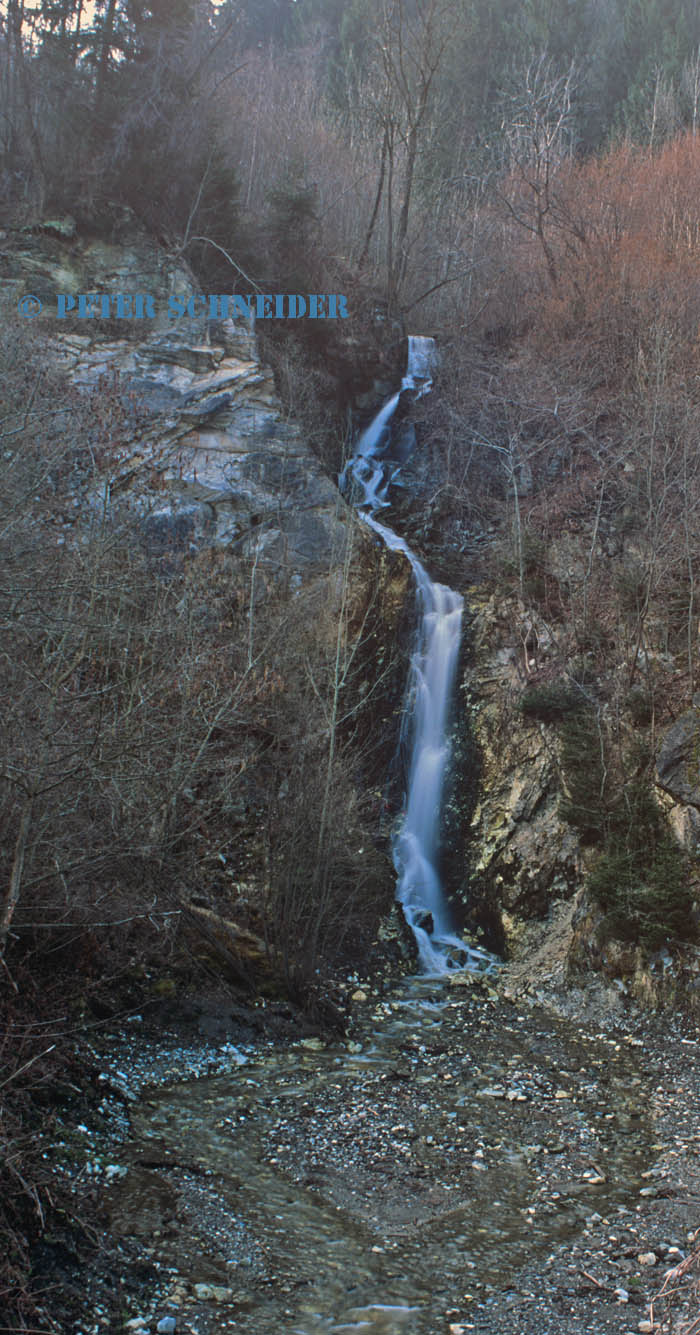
<point>213,1293</point>
<point>203,1292</point>
<point>166,1326</point>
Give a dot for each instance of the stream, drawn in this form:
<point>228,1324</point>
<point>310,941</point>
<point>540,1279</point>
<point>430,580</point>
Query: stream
<point>403,1181</point>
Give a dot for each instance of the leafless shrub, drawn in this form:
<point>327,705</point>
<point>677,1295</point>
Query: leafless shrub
<point>674,1308</point>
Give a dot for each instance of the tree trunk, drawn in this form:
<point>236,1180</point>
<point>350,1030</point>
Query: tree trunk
<point>103,65</point>
<point>402,229</point>
<point>15,22</point>
<point>377,200</point>
<point>14,887</point>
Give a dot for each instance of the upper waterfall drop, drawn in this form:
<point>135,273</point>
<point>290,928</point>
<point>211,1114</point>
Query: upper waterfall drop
<point>422,361</point>
<point>431,679</point>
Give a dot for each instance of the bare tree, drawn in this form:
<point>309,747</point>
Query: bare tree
<point>538,126</point>
<point>410,46</point>
<point>690,87</point>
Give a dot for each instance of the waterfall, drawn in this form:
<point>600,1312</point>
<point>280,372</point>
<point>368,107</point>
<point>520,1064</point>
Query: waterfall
<point>426,712</point>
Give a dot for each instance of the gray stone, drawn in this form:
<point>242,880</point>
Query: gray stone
<point>678,760</point>
<point>152,396</point>
<point>205,407</point>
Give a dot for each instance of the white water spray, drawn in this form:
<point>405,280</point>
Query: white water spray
<point>433,666</point>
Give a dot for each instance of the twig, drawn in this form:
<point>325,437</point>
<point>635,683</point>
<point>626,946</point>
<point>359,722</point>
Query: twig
<point>27,1065</point>
<point>12,981</point>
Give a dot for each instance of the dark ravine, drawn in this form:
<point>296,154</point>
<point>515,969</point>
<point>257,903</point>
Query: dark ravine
<point>375,464</point>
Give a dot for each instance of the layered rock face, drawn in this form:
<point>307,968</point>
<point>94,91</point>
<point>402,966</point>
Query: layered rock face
<point>524,855</point>
<point>212,459</point>
<point>529,867</point>
<point>678,776</point>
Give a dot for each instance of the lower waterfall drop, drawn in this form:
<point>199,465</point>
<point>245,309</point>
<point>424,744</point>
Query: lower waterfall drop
<point>433,665</point>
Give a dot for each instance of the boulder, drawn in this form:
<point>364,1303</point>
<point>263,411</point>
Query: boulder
<point>678,759</point>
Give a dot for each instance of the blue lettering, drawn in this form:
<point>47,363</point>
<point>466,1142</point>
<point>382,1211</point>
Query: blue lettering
<point>65,304</point>
<point>241,305</point>
<point>263,306</point>
<point>194,306</point>
<point>91,304</point>
<point>295,314</point>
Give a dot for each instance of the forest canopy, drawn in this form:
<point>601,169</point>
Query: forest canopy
<point>248,133</point>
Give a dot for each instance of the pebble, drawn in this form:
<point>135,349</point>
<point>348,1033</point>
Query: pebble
<point>359,995</point>
<point>622,1295</point>
<point>647,1258</point>
<point>212,1293</point>
<point>113,1170</point>
<point>166,1326</point>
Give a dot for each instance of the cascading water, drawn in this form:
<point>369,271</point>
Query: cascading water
<point>433,666</point>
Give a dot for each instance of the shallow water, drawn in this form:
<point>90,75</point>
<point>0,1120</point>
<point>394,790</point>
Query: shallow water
<point>389,1189</point>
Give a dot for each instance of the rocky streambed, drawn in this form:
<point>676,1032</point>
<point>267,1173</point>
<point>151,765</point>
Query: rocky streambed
<point>461,1162</point>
